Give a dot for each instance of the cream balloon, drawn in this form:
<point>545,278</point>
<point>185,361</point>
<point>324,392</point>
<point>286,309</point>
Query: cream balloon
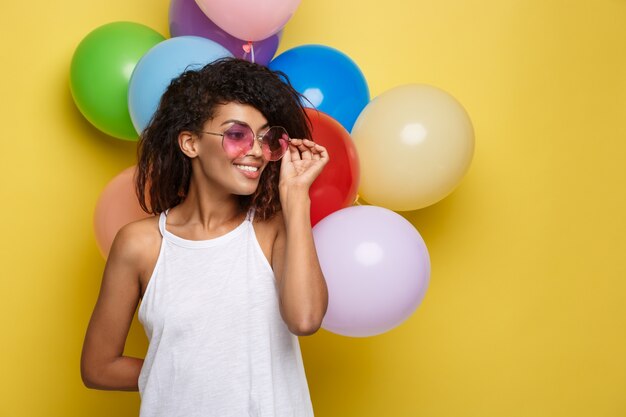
<point>415,143</point>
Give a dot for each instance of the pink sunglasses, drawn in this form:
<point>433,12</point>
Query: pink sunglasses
<point>238,140</point>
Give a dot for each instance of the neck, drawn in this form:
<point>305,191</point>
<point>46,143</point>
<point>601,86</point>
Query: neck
<point>207,207</point>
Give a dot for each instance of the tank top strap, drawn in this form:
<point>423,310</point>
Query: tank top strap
<point>162,219</point>
<point>250,215</point>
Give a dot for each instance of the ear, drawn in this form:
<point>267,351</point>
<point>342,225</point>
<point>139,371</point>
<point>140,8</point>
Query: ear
<point>188,143</point>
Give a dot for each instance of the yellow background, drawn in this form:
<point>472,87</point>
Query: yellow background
<point>526,311</point>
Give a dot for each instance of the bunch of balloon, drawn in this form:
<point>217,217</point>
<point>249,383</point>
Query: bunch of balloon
<point>376,264</point>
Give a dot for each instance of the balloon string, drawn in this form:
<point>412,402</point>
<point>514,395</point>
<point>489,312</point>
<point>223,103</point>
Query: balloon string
<point>251,49</point>
<point>356,201</point>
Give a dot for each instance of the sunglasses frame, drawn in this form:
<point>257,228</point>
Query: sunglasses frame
<point>256,137</point>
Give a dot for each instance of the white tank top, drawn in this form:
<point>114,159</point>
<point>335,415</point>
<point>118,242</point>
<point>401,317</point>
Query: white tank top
<point>218,345</point>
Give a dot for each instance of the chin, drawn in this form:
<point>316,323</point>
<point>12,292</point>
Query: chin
<point>246,190</point>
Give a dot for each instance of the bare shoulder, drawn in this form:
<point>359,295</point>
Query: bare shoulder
<point>136,236</point>
<point>138,243</point>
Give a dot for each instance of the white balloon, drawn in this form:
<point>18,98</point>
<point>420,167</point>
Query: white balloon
<point>415,144</point>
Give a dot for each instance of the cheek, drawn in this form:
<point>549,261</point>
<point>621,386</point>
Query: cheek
<point>216,164</point>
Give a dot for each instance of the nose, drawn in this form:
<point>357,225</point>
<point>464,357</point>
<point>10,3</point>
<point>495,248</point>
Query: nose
<point>256,150</point>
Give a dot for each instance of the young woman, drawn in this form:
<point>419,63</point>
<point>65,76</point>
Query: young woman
<point>227,273</point>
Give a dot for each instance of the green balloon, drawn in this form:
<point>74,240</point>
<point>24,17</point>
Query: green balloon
<point>100,72</point>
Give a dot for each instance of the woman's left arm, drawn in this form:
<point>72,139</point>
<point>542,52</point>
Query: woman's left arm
<point>302,288</point>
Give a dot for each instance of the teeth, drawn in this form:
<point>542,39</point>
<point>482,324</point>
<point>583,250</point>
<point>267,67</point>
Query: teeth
<point>247,168</point>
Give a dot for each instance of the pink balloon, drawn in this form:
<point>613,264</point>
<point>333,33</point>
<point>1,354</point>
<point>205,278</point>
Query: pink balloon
<point>250,20</point>
<point>376,267</point>
<point>116,207</point>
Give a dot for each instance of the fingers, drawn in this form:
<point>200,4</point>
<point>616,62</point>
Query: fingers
<point>288,155</point>
<point>323,153</point>
<point>293,151</point>
<point>307,150</point>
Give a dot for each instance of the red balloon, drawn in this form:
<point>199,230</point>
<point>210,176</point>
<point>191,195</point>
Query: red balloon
<point>337,185</point>
<point>116,207</point>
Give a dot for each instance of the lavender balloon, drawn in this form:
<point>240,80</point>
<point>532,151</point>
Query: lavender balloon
<point>187,19</point>
<point>376,267</point>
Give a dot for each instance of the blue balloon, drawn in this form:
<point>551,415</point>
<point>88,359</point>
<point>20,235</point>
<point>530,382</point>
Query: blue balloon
<point>159,66</point>
<point>328,78</point>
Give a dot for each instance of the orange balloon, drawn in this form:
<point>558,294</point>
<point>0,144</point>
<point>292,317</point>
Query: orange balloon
<point>117,206</point>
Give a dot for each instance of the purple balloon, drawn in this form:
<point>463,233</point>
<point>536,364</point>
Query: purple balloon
<point>376,267</point>
<point>187,19</point>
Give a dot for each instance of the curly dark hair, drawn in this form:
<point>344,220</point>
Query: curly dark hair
<point>164,171</point>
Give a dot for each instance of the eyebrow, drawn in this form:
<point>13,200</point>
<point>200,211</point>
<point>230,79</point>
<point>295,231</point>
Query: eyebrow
<point>242,123</point>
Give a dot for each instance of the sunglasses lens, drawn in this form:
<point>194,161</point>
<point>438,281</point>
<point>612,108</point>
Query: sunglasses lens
<point>238,140</point>
<point>275,143</point>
